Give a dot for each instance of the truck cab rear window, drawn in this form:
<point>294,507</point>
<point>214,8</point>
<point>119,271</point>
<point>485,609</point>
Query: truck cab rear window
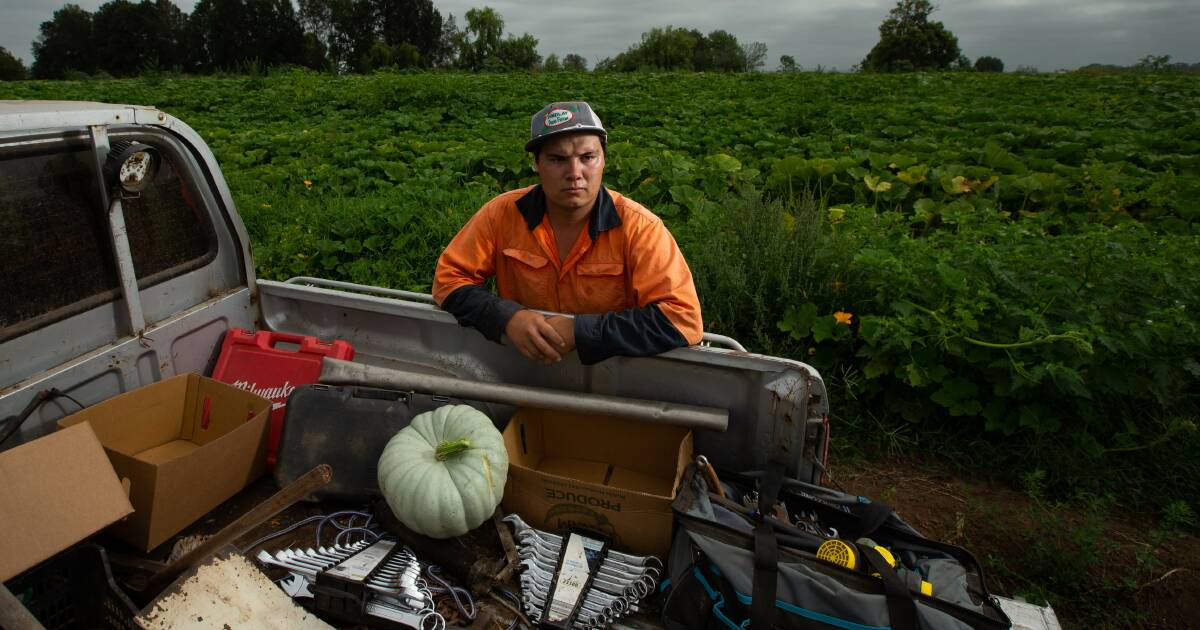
<point>56,253</point>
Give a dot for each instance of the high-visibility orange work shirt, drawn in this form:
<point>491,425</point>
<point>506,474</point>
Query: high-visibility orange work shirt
<point>624,278</point>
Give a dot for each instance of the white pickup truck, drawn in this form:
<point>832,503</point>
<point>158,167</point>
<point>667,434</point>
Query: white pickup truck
<point>120,271</point>
<point>124,262</point>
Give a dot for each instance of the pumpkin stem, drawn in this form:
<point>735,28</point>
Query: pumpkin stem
<point>449,448</point>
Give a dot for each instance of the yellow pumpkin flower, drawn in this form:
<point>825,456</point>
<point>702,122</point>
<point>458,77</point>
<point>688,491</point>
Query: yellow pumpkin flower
<point>308,183</point>
<point>876,185</point>
<point>843,317</point>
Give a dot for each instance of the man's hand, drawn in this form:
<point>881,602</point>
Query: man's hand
<point>536,338</point>
<point>565,327</point>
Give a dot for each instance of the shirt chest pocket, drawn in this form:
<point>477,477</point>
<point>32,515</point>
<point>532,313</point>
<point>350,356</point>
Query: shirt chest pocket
<point>528,278</point>
<point>601,286</point>
<point>526,259</point>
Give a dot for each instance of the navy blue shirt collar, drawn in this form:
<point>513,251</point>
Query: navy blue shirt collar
<point>604,215</point>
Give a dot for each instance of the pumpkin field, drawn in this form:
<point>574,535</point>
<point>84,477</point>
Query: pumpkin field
<point>999,271</point>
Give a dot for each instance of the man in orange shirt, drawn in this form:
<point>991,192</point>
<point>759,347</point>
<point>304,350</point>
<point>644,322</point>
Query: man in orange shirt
<point>570,245</point>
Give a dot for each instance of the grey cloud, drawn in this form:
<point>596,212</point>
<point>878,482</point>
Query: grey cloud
<point>1076,33</point>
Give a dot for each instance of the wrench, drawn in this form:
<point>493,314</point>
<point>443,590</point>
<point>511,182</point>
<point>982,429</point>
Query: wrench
<point>599,583</point>
<point>592,619</point>
<point>607,571</point>
<point>542,540</point>
<point>309,571</point>
<point>612,569</point>
<point>424,619</point>
<point>618,605</point>
<point>306,559</point>
<point>313,557</point>
<point>613,588</point>
<point>591,608</point>
<point>550,550</point>
<point>523,528</point>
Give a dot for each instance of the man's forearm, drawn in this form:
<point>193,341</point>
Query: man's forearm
<point>633,332</point>
<point>475,306</point>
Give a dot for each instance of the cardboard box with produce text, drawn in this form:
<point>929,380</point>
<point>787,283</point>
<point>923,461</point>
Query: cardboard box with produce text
<point>185,445</point>
<point>612,475</point>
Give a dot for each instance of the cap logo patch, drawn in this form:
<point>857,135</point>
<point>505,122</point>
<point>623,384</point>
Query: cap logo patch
<point>557,117</point>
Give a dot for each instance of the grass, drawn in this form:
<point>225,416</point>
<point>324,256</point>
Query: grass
<point>386,240</point>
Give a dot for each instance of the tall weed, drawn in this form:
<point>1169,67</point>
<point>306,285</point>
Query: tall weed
<point>753,256</point>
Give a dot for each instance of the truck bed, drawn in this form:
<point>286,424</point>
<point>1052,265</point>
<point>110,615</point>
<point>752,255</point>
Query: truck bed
<point>772,402</point>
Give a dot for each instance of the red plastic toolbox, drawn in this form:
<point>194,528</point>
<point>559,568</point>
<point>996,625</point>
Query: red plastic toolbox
<point>250,361</point>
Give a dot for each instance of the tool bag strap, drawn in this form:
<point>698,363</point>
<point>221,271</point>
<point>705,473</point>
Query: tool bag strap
<point>902,608</point>
<point>871,516</point>
<point>766,549</point>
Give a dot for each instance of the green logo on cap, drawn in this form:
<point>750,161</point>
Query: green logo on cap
<point>557,117</point>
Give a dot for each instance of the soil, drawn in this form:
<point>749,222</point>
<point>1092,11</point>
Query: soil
<point>1097,568</point>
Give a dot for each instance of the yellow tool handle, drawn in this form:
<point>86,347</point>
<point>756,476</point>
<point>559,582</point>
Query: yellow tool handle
<point>843,554</point>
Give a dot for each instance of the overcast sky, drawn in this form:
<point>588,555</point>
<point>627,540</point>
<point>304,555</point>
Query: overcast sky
<point>1045,34</point>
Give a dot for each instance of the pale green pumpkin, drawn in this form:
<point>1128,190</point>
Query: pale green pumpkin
<point>443,475</point>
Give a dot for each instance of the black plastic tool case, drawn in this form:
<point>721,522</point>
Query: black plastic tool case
<point>347,428</point>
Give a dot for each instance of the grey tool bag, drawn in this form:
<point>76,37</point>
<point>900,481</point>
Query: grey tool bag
<point>821,559</point>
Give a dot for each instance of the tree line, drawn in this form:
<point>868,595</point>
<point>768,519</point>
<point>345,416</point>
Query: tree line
<point>125,38</point>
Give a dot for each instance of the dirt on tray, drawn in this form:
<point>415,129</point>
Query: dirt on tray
<point>1098,568</point>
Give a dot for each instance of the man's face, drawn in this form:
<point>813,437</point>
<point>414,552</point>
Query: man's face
<point>571,167</point>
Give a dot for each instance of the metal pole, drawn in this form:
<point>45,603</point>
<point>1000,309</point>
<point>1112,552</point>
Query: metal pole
<point>118,235</point>
<point>338,372</point>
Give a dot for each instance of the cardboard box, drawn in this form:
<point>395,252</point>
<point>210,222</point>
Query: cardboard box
<point>185,444</point>
<point>612,475</point>
<point>54,492</point>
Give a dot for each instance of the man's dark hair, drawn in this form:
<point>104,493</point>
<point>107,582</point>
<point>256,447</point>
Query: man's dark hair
<point>537,150</point>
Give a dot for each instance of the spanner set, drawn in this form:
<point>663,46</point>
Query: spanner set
<point>375,583</point>
<point>576,582</point>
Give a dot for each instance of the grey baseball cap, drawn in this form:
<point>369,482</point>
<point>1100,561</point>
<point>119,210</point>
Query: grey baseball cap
<point>564,117</point>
